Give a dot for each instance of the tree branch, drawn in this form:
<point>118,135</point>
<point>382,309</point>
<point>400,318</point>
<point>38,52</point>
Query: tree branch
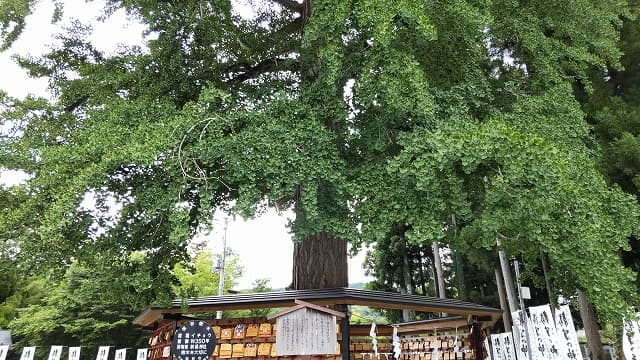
<point>291,5</point>
<point>248,72</point>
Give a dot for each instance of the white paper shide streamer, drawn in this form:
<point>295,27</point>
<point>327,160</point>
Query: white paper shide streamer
<point>436,349</point>
<point>395,342</point>
<point>374,339</point>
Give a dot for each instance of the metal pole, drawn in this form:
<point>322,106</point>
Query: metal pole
<point>524,312</point>
<point>224,258</point>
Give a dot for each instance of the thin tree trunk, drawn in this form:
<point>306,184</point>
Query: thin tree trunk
<point>458,262</point>
<point>423,278</point>
<point>506,315</point>
<point>508,281</point>
<point>545,271</point>
<point>439,273</point>
<point>591,329</point>
<point>438,264</point>
<point>406,278</point>
<point>320,261</point>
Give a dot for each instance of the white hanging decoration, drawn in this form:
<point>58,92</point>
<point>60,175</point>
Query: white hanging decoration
<point>436,350</point>
<point>374,339</point>
<point>456,348</point>
<point>142,354</point>
<point>103,353</point>
<point>28,352</point>
<point>55,352</point>
<point>121,354</point>
<point>395,342</point>
<point>74,353</point>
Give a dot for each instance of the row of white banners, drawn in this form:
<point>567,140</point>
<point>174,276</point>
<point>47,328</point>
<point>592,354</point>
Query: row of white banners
<point>74,353</point>
<point>551,337</point>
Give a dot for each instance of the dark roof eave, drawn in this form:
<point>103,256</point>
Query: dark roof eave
<point>333,296</point>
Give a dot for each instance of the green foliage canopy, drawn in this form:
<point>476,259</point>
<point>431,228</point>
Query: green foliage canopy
<point>356,114</point>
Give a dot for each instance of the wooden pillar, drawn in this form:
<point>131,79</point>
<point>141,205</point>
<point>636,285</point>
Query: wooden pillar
<point>506,315</point>
<point>344,330</point>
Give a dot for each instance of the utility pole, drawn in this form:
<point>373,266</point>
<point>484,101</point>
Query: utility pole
<point>221,266</point>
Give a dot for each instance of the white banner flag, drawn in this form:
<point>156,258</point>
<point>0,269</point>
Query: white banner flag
<point>496,346</point>
<point>508,351</point>
<point>142,354</point>
<point>545,329</point>
<point>103,353</point>
<point>4,349</point>
<point>520,334</point>
<point>55,352</point>
<point>631,338</point>
<point>74,353</point>
<point>567,334</point>
<point>121,354</point>
<point>28,352</point>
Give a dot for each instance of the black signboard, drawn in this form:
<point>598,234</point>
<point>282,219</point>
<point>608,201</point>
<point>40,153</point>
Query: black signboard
<point>194,340</point>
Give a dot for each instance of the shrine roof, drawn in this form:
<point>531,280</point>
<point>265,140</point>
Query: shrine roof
<point>322,297</point>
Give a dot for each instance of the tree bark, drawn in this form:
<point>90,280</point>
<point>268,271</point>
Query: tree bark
<point>320,261</point>
<point>591,329</point>
<point>407,288</point>
<point>438,264</point>
<point>506,315</point>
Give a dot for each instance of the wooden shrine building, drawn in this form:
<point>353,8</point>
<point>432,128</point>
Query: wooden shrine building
<point>461,315</point>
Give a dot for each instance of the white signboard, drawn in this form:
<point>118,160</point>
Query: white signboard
<point>121,354</point>
<point>567,333</point>
<point>74,353</point>
<point>103,353</point>
<point>631,338</point>
<point>142,354</point>
<point>545,329</point>
<point>4,349</point>
<point>28,352</point>
<point>55,352</point>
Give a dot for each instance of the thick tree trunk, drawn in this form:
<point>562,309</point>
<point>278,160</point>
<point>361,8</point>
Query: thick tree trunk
<point>591,329</point>
<point>320,261</point>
